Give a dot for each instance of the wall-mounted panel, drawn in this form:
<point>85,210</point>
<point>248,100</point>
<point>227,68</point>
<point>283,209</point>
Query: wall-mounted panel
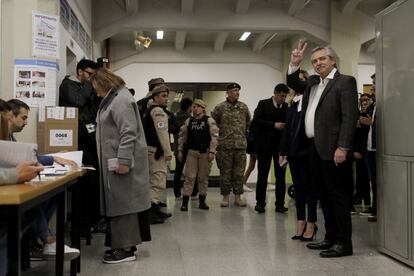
<point>398,76</point>
<point>395,217</point>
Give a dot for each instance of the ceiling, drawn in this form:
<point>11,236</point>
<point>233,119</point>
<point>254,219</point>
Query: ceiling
<point>218,24</point>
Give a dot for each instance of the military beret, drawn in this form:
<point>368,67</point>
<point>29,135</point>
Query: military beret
<point>200,102</point>
<point>159,89</point>
<point>233,85</point>
<point>155,81</point>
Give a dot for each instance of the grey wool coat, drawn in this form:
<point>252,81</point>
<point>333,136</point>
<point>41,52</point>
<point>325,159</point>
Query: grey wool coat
<point>120,134</point>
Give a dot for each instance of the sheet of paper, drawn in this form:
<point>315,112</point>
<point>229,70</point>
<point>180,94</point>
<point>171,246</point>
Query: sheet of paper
<point>42,113</point>
<point>13,153</point>
<point>71,155</point>
<point>70,112</point>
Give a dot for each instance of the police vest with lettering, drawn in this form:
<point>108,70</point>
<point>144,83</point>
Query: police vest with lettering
<point>199,137</point>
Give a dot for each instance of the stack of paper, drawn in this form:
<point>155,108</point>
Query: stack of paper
<point>14,153</point>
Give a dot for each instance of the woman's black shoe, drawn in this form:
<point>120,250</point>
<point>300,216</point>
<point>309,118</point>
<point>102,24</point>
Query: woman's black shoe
<point>315,230</point>
<point>119,256</point>
<point>296,237</point>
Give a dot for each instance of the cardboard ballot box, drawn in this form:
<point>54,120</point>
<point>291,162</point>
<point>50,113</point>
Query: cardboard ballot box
<point>57,129</point>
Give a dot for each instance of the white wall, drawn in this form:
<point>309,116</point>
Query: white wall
<point>257,81</point>
<point>365,72</point>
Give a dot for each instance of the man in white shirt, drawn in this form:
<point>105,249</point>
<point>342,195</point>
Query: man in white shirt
<point>330,105</point>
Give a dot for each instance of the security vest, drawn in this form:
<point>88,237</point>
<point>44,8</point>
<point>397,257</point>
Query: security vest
<point>149,129</point>
<point>199,137</point>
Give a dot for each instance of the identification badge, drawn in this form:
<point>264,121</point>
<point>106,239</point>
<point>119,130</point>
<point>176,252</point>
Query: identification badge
<point>90,128</point>
<point>160,124</point>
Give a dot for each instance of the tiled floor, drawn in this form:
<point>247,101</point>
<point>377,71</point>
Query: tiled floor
<point>236,241</point>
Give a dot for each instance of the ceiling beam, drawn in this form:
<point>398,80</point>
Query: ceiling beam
<point>266,21</point>
<point>120,3</point>
<point>131,6</point>
<point>261,41</point>
<point>242,6</point>
<point>296,6</point>
<point>348,6</point>
<point>187,6</point>
<point>180,40</point>
<point>220,40</point>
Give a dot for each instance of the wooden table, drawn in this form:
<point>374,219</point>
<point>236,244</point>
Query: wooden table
<point>16,199</point>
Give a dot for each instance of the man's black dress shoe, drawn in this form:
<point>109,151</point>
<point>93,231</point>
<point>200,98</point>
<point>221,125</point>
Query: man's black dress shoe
<point>338,250</point>
<point>260,209</point>
<point>281,209</point>
<point>322,245</point>
<point>162,204</point>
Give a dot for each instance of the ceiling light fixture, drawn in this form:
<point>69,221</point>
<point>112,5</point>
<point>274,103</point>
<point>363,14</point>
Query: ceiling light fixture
<point>160,34</point>
<point>142,40</point>
<point>244,36</point>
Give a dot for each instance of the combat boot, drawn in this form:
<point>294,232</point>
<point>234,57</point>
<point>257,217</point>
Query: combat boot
<point>161,214</point>
<point>225,201</point>
<point>184,206</point>
<point>239,201</point>
<point>203,204</point>
<point>153,216</point>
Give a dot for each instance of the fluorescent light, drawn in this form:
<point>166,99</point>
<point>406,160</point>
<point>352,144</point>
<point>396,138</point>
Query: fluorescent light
<point>244,36</point>
<point>160,34</point>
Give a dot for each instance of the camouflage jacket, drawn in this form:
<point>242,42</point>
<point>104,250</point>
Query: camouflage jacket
<point>233,121</point>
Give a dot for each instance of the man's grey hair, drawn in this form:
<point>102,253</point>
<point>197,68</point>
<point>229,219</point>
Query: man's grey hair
<point>330,52</point>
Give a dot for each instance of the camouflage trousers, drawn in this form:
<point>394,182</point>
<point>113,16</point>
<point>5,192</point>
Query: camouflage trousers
<point>231,164</point>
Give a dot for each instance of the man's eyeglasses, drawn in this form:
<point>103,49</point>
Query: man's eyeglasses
<point>90,73</point>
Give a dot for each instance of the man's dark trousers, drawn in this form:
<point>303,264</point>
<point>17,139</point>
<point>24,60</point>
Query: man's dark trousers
<point>264,160</point>
<point>331,183</point>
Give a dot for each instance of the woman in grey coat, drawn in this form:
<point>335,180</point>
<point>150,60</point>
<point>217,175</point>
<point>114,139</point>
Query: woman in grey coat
<point>122,153</point>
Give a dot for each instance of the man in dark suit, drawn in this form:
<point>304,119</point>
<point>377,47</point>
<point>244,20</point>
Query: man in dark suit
<point>330,105</point>
<point>269,120</point>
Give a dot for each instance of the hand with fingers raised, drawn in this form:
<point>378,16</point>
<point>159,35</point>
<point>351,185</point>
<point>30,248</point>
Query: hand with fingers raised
<point>297,54</point>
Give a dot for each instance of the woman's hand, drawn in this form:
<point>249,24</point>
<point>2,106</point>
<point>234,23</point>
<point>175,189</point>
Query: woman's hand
<point>122,169</point>
<point>63,161</point>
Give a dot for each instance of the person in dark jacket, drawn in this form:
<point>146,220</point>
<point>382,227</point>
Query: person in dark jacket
<point>370,156</point>
<point>294,148</point>
<point>77,91</point>
<point>180,117</point>
<point>362,189</point>
<point>269,120</point>
<point>330,108</point>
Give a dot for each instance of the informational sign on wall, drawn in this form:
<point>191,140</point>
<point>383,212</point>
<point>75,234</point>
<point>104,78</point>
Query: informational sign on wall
<point>35,82</point>
<point>45,35</point>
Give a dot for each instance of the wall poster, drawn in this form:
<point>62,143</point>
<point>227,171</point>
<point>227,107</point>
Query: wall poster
<point>45,35</point>
<point>35,82</point>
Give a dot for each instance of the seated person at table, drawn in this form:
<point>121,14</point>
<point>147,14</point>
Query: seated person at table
<point>39,216</point>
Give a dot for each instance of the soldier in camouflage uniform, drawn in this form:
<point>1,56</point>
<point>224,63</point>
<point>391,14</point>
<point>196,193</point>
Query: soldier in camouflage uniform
<point>233,119</point>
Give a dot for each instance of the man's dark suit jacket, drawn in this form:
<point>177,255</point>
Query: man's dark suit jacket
<point>336,114</point>
<point>267,137</point>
